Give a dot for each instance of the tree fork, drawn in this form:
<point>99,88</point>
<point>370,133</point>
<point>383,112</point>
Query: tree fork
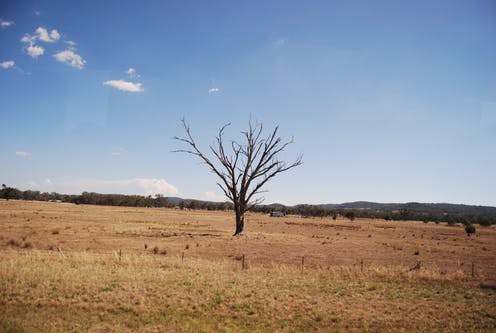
<point>246,170</point>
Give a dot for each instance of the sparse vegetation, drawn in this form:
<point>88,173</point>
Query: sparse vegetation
<point>350,282</point>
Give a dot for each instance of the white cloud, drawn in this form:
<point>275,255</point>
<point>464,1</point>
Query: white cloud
<point>70,43</point>
<point>35,50</point>
<point>133,186</point>
<point>7,64</point>
<point>44,36</point>
<point>27,38</point>
<point>55,35</point>
<point>212,196</point>
<point>132,73</point>
<point>125,85</point>
<point>70,58</point>
<point>5,24</point>
<point>116,153</point>
<point>213,90</point>
<point>22,153</point>
<point>37,13</point>
<point>139,186</point>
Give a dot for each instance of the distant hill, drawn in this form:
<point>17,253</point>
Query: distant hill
<point>415,207</point>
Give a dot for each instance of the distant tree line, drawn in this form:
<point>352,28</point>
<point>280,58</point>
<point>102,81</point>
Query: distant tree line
<point>414,212</point>
<point>402,214</point>
<point>91,198</point>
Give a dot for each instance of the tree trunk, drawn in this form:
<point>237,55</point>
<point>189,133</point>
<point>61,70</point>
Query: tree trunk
<point>240,222</point>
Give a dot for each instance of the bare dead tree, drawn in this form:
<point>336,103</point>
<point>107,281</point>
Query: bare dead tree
<point>244,170</point>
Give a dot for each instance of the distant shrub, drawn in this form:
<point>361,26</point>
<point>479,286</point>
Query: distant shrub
<point>13,242</point>
<point>155,249</point>
<point>350,215</point>
<point>469,229</point>
<point>55,232</point>
<point>27,245</point>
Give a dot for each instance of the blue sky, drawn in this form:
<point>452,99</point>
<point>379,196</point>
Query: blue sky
<point>388,101</point>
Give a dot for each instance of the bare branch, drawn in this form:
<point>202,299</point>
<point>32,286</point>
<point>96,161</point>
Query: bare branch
<point>248,166</point>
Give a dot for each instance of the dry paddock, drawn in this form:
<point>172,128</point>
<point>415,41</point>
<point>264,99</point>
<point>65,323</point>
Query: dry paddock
<point>268,241</point>
<point>66,267</point>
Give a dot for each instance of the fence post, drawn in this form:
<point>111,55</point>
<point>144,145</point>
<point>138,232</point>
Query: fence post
<point>361,265</point>
<point>243,265</point>
<point>182,256</point>
<point>60,251</point>
<point>473,269</point>
<point>120,255</point>
<point>302,262</point>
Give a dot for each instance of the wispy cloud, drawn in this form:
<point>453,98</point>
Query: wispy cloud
<point>37,13</point>
<point>11,64</point>
<point>22,153</point>
<point>7,64</point>
<point>70,58</point>
<point>213,90</point>
<point>47,37</point>
<point>280,42</point>
<point>118,152</point>
<point>125,85</point>
<point>5,24</point>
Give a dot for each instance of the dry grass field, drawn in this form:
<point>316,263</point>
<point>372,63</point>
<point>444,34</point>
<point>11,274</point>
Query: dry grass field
<point>65,267</point>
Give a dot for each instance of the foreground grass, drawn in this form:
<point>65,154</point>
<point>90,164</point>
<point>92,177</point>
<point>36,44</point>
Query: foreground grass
<point>45,291</point>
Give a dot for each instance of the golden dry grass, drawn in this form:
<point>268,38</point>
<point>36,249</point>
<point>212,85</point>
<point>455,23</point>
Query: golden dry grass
<point>90,287</point>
